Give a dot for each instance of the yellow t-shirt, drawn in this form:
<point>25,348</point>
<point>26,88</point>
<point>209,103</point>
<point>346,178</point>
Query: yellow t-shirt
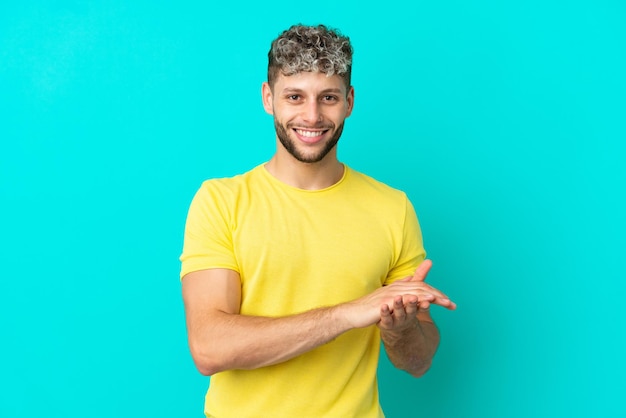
<point>296,250</point>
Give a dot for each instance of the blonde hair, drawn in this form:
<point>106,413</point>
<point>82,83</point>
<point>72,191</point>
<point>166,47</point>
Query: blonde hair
<point>310,48</point>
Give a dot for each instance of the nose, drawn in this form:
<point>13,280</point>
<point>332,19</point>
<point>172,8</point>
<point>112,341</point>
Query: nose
<point>312,112</point>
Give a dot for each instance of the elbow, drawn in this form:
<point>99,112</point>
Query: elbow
<point>205,368</point>
<point>205,371</point>
<point>419,370</point>
<point>416,367</point>
<point>206,361</point>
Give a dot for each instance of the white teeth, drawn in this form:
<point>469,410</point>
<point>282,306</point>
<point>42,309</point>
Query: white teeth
<point>309,134</point>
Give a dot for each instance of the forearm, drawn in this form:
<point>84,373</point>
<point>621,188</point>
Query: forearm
<point>412,349</point>
<point>234,341</point>
<point>221,338</point>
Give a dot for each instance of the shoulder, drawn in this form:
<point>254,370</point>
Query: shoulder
<point>225,187</point>
<point>220,196</point>
<point>375,187</point>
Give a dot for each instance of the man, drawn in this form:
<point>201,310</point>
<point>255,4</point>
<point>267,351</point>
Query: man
<point>293,272</point>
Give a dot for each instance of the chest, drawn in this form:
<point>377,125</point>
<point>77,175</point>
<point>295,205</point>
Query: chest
<point>296,254</point>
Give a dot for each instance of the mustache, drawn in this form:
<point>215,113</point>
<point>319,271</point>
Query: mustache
<point>321,126</point>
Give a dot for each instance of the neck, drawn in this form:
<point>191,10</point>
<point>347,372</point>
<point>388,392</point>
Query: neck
<point>306,176</point>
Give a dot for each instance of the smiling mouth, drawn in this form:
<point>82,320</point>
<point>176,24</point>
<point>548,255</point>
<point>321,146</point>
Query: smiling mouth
<point>310,133</point>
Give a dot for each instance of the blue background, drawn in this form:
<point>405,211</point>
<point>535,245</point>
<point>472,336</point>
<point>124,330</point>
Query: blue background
<point>503,121</point>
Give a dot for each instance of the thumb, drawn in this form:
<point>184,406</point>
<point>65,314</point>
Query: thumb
<point>422,271</point>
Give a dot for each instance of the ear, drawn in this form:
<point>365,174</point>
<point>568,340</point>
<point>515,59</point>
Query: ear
<point>266,95</point>
<point>350,101</point>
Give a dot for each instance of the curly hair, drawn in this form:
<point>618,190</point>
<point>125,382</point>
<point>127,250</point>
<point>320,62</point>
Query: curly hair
<point>310,48</point>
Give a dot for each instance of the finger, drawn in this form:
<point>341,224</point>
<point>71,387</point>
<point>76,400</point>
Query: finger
<point>386,320</point>
<point>422,270</point>
<point>444,302</point>
<point>399,313</point>
<point>409,298</point>
<point>436,293</point>
<point>411,308</point>
<point>425,293</point>
<point>418,289</point>
<point>429,297</point>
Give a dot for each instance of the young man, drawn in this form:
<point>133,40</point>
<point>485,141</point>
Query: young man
<point>293,272</point>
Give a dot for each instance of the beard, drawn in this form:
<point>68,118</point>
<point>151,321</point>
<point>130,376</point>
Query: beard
<point>299,154</point>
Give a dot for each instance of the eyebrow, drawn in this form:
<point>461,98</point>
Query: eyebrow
<point>297,90</point>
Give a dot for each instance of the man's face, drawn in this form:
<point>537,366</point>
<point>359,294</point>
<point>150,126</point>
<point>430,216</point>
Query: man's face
<point>309,110</point>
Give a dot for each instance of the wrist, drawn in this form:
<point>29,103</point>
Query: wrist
<point>341,318</point>
<point>395,336</point>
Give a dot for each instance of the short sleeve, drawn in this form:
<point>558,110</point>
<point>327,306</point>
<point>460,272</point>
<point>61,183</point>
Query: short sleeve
<point>208,233</point>
<point>411,252</point>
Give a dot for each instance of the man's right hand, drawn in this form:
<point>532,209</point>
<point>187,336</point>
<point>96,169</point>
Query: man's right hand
<point>365,311</point>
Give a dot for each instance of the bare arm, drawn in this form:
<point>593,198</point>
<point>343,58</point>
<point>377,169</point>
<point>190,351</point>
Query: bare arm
<point>410,336</point>
<point>220,338</point>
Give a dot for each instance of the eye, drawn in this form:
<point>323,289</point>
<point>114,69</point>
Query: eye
<point>330,98</point>
<point>293,97</point>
